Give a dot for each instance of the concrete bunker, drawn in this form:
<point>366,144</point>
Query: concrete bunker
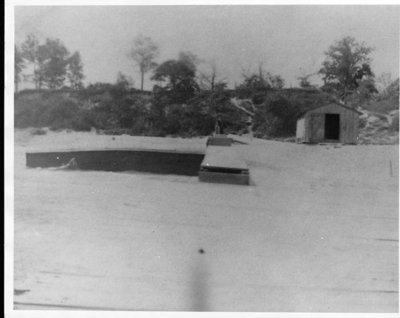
<point>216,163</point>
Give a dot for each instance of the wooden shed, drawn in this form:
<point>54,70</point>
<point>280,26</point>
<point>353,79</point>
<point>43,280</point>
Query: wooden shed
<point>333,122</point>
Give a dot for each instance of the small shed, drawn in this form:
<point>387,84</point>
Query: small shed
<point>333,122</point>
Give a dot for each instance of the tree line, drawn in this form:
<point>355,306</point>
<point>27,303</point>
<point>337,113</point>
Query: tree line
<point>184,100</point>
<point>51,65</point>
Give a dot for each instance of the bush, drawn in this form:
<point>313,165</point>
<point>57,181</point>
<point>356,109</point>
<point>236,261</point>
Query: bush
<point>60,113</point>
<point>395,124</point>
<point>362,123</point>
<point>277,117</point>
<point>117,110</point>
<point>38,132</point>
<point>27,111</point>
<point>83,120</point>
<point>117,132</point>
<point>53,110</point>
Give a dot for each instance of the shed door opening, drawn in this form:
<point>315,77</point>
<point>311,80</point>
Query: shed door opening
<point>332,126</point>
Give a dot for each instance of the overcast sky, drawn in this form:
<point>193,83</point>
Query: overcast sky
<point>289,40</point>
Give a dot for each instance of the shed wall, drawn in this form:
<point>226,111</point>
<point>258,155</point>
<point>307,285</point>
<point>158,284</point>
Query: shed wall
<point>301,130</point>
<point>315,124</point>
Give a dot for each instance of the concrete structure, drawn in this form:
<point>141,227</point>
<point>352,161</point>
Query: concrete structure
<point>329,123</point>
<point>222,165</point>
<point>154,161</point>
<point>219,140</point>
<point>215,163</point>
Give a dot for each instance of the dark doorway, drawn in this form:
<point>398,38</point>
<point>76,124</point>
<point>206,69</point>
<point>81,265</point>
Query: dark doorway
<point>332,126</point>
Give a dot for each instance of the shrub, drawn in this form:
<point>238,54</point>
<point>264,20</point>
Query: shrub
<point>362,123</point>
<point>83,120</point>
<point>117,132</point>
<point>395,124</point>
<point>27,111</point>
<point>38,132</point>
<point>116,110</point>
<point>277,117</point>
<point>53,110</point>
<point>60,113</point>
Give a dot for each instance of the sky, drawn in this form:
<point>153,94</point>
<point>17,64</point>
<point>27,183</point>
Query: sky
<point>289,40</point>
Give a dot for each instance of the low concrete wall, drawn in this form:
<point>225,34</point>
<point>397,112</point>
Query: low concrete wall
<point>163,162</point>
<point>224,177</point>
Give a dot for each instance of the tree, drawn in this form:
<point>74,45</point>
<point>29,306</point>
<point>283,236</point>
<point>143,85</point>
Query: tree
<point>393,90</point>
<point>179,76</point>
<point>18,66</point>
<point>124,81</point>
<point>277,116</point>
<point>30,51</point>
<point>262,80</point>
<point>304,82</point>
<point>383,82</point>
<point>190,59</point>
<point>75,71</point>
<point>269,80</point>
<point>210,79</point>
<point>366,89</point>
<point>143,53</point>
<point>53,61</point>
<point>276,81</point>
<point>256,85</point>
<point>345,66</point>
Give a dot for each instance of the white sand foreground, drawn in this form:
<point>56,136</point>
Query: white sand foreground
<point>317,231</point>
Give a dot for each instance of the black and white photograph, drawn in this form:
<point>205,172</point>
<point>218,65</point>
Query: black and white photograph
<point>201,158</point>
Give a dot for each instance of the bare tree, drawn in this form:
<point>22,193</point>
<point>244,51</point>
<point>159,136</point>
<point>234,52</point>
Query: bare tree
<point>143,53</point>
<point>30,52</point>
<point>261,80</point>
<point>75,71</point>
<point>261,73</point>
<point>18,66</point>
<point>211,79</point>
<point>384,81</point>
<point>304,79</point>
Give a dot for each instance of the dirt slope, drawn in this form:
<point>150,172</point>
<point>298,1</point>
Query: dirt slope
<point>379,128</point>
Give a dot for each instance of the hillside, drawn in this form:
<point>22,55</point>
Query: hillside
<point>379,128</point>
<point>112,109</point>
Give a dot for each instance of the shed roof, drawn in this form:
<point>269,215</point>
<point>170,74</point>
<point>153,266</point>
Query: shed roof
<point>334,103</point>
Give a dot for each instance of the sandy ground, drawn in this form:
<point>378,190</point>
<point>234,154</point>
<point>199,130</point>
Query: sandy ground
<point>317,231</point>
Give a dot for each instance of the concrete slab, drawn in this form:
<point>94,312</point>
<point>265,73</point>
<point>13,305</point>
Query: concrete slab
<point>222,165</point>
<point>224,158</point>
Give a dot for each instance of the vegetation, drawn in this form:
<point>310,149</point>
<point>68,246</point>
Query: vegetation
<point>346,67</point>
<point>185,102</point>
<point>18,66</point>
<point>143,53</point>
<point>51,63</point>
